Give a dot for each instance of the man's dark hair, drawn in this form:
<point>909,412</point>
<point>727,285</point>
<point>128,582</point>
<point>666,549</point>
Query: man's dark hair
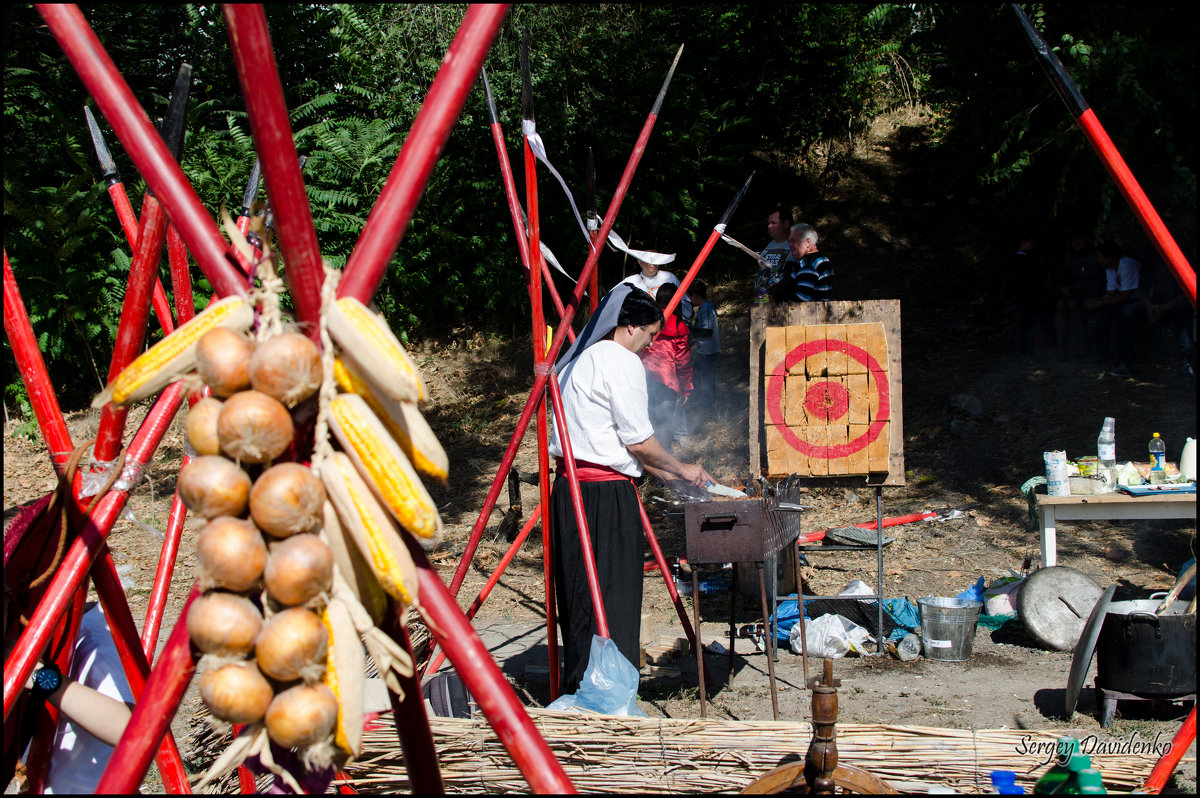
<point>639,309</point>
<point>784,214</point>
<point>1109,249</point>
<point>698,289</point>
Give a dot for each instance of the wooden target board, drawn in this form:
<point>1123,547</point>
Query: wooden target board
<point>825,391</point>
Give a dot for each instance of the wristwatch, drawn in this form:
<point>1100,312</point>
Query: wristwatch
<point>45,681</point>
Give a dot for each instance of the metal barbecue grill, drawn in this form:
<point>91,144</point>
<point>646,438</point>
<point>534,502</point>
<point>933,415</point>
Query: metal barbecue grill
<point>750,530</point>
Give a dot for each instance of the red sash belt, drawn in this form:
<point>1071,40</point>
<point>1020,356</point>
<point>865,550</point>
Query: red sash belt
<point>589,472</point>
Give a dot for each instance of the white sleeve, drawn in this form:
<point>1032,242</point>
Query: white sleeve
<point>630,401</point>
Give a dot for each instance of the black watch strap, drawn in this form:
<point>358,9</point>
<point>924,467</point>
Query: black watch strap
<point>45,681</point>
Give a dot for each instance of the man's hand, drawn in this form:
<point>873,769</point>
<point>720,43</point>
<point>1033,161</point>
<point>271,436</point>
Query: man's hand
<point>651,453</point>
<point>695,474</point>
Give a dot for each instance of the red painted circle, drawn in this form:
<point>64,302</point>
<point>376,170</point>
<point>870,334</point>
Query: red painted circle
<point>774,400</point>
<point>827,400</point>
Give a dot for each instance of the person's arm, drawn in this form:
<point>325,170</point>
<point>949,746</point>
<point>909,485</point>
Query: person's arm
<point>102,717</point>
<point>662,464</point>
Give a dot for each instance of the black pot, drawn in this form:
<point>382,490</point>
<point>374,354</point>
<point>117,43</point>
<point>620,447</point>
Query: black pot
<point>1147,655</point>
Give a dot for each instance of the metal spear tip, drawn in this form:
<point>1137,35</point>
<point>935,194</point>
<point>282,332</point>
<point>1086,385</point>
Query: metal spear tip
<point>251,192</point>
<point>176,118</point>
<point>737,199</point>
<point>491,100</point>
<point>107,165</point>
<point>526,80</point>
<point>663,91</point>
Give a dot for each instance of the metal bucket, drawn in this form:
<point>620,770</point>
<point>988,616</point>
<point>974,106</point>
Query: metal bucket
<point>948,627</point>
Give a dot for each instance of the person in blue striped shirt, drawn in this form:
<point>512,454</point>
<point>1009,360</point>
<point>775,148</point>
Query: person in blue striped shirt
<point>809,276</point>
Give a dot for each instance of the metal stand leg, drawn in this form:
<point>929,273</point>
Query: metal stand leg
<point>770,652</point>
<point>879,567</point>
<point>800,601</point>
<point>733,591</point>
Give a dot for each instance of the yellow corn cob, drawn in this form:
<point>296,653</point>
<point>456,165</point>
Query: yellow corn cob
<point>370,527</point>
<point>344,661</point>
<point>174,355</point>
<point>353,569</point>
<point>402,419</point>
<point>383,466</point>
<point>369,344</point>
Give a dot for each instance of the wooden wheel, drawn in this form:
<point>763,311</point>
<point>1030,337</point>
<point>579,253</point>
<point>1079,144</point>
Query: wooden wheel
<point>789,779</point>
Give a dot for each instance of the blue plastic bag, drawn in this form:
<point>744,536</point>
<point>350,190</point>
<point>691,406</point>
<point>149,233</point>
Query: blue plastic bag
<point>788,615</point>
<point>609,684</point>
<point>904,614</point>
<point>975,592</point>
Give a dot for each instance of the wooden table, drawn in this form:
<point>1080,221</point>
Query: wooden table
<point>1105,507</point>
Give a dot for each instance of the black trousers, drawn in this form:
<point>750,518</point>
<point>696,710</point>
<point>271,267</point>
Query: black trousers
<point>615,528</point>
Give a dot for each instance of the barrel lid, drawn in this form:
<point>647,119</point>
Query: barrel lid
<point>1082,661</point>
<point>1054,604</point>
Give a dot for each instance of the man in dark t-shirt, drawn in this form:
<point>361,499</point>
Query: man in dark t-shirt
<point>808,276</point>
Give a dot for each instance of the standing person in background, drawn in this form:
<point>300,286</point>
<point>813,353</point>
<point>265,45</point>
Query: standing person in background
<point>706,345</point>
<point>651,277</point>
<point>1082,279</point>
<point>604,402</point>
<point>1122,280</point>
<point>668,363</point>
<point>808,277</point>
<point>1034,291</point>
<point>779,224</point>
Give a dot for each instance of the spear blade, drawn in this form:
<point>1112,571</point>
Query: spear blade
<point>737,199</point>
<point>493,117</point>
<point>662,93</point>
<point>107,165</point>
<point>176,118</point>
<point>251,192</point>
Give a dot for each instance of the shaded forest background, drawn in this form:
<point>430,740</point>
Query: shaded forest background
<point>782,89</point>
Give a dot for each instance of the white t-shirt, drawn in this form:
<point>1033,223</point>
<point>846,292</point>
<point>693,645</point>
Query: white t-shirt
<point>606,407</point>
<point>650,284</point>
<point>78,758</point>
<point>1124,277</point>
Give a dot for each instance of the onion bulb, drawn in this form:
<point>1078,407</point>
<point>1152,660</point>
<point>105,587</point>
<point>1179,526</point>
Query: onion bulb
<point>236,692</point>
<point>288,498</point>
<point>302,715</point>
<point>213,486</point>
<point>298,569</point>
<point>224,624</point>
<point>254,428</point>
<point>202,426</point>
<point>286,367</point>
<point>292,645</point>
<point>232,554</point>
<point>223,361</point>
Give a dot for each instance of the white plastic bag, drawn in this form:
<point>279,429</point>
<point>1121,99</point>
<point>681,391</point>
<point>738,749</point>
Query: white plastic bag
<point>829,636</point>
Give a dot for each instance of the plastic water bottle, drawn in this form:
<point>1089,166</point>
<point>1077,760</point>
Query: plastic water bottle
<point>1158,457</point>
<point>1106,453</point>
<point>909,647</point>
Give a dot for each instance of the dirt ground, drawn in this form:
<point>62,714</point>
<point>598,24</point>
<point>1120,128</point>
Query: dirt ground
<point>893,232</point>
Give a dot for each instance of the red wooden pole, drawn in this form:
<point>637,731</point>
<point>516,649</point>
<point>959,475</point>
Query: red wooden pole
<point>33,373</point>
<point>135,662</point>
<point>1142,208</point>
<point>162,576</point>
<point>1166,764</point>
<point>267,111</point>
<point>131,330</point>
<point>79,557</point>
<point>439,656</point>
<point>153,712</point>
<point>393,210</point>
<point>483,678</point>
<point>162,308</point>
<point>539,386</point>
<point>144,146</point>
<point>585,541</point>
<point>181,277</point>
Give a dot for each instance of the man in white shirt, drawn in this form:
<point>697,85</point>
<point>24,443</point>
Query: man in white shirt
<point>604,395</point>
<point>1122,276</point>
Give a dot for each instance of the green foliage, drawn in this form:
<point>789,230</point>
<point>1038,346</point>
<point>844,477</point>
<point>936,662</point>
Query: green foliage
<point>762,87</point>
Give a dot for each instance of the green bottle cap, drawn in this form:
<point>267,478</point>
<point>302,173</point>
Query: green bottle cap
<point>1091,782</point>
